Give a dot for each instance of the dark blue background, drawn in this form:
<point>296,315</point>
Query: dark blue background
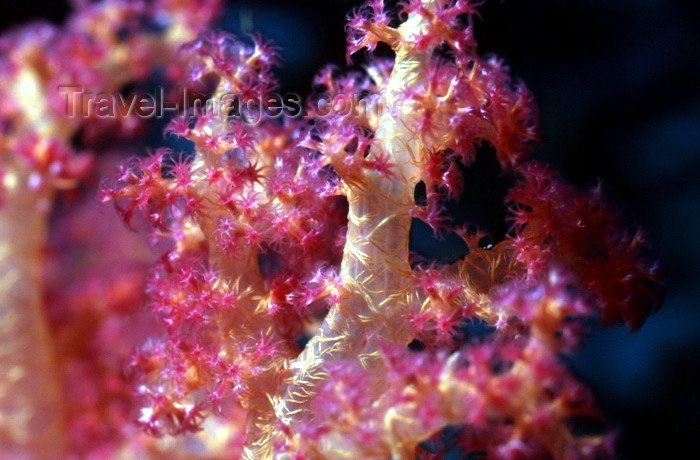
<point>618,85</point>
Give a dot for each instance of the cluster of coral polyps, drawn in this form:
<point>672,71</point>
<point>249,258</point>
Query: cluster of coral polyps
<point>294,321</point>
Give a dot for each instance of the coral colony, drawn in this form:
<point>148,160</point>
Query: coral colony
<point>290,315</point>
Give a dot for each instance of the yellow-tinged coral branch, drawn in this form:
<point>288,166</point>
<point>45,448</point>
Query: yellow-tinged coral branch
<point>31,414</point>
<point>375,264</point>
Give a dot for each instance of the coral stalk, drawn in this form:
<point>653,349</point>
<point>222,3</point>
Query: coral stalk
<point>374,299</point>
<point>30,394</point>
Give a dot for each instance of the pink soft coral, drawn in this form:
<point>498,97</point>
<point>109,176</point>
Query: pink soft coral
<point>278,221</point>
<point>289,317</point>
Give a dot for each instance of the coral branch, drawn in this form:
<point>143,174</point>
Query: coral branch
<point>375,270</point>
<point>31,421</point>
